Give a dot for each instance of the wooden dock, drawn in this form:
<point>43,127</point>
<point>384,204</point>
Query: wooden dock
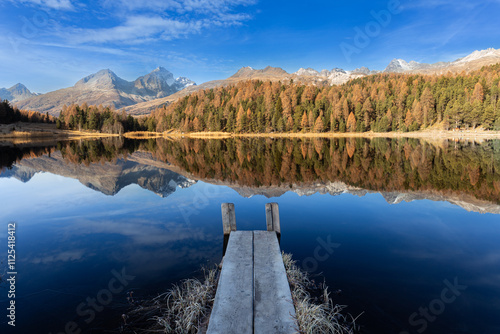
<point>253,295</point>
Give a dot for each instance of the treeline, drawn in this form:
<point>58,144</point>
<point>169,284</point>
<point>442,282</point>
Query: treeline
<point>10,114</point>
<point>380,164</point>
<point>97,118</point>
<point>380,103</point>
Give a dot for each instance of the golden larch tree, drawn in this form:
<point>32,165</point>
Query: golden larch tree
<point>351,123</point>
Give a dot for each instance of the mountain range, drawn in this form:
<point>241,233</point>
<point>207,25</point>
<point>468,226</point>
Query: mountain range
<point>108,89</point>
<point>336,76</point>
<point>16,93</point>
<point>159,87</point>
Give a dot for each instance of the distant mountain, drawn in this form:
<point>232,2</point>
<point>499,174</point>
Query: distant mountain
<point>16,93</point>
<point>305,76</point>
<point>336,76</point>
<point>243,74</point>
<point>159,87</point>
<point>472,62</point>
<point>267,73</point>
<point>106,88</point>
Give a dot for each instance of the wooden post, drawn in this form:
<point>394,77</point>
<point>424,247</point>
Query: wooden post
<point>269,216</point>
<point>228,218</point>
<point>273,218</point>
<point>276,218</point>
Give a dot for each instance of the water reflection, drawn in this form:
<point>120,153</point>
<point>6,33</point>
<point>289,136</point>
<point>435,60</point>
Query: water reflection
<point>463,173</point>
<point>153,207</point>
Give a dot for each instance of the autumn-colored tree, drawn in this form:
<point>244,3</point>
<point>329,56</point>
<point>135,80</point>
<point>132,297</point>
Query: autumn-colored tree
<point>318,124</point>
<point>428,106</point>
<point>351,123</point>
<point>379,102</point>
<point>478,94</point>
<point>408,119</point>
<point>417,112</point>
<point>345,107</point>
<point>196,124</point>
<point>241,120</point>
<point>308,94</point>
<point>304,122</point>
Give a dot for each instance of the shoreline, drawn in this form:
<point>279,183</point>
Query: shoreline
<point>44,131</point>
<point>26,132</point>
<point>428,134</point>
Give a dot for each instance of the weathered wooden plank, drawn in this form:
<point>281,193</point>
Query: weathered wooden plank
<point>274,311</point>
<point>273,217</point>
<point>232,312</point>
<point>228,217</point>
<point>276,218</point>
<point>269,216</point>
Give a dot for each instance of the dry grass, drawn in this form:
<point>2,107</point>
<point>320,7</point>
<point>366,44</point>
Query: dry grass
<point>209,135</point>
<point>22,130</point>
<point>184,309</point>
<point>426,134</point>
<point>142,135</point>
<point>320,316</point>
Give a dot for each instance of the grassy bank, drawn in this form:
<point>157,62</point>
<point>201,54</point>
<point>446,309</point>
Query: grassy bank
<point>186,307</point>
<point>32,131</point>
<point>427,134</point>
<point>35,131</point>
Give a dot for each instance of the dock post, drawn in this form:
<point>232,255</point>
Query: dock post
<point>269,216</point>
<point>228,218</point>
<point>273,218</point>
<point>228,223</point>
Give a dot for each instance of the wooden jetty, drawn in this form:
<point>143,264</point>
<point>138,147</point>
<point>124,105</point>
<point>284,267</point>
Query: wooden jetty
<point>253,295</point>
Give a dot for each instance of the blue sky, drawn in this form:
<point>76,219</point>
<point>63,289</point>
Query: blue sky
<point>51,44</point>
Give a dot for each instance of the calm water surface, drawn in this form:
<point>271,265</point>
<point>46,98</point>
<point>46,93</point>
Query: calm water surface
<point>408,230</point>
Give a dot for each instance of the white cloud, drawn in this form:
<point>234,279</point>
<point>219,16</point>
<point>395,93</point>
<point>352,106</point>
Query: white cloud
<point>138,29</point>
<point>457,5</point>
<point>155,20</point>
<point>181,6</point>
<point>54,4</point>
<point>227,19</point>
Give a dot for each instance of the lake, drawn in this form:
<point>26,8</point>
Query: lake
<point>408,230</point>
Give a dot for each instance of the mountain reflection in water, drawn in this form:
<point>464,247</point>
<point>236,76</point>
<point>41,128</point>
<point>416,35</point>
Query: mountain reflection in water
<point>463,173</point>
<point>85,208</point>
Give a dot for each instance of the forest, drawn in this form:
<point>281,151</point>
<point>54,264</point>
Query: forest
<point>9,115</point>
<point>97,118</point>
<point>379,103</point>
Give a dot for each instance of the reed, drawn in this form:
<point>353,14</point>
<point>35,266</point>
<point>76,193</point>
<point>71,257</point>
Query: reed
<point>315,315</point>
<point>184,309</point>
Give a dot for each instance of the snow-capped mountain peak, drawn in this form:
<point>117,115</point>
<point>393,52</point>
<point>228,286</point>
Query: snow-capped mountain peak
<point>183,82</point>
<point>400,65</point>
<point>108,89</point>
<point>491,52</point>
<point>307,71</point>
